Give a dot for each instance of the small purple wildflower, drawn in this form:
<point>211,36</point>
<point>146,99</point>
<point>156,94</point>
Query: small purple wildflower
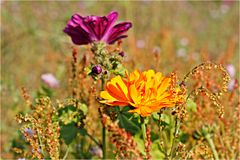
<point>231,70</point>
<point>96,151</point>
<point>184,41</point>
<point>85,30</point>
<point>140,43</point>
<point>50,80</point>
<point>181,52</point>
<point>122,54</point>
<point>29,131</point>
<point>231,84</point>
<point>97,69</point>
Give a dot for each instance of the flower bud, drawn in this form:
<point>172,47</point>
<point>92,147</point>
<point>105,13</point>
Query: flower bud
<point>96,69</point>
<point>122,54</point>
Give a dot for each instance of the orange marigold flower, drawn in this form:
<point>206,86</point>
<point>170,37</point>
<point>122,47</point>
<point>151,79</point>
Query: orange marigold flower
<point>146,92</point>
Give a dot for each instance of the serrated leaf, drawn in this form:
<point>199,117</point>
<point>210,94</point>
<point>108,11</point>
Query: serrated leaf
<point>68,133</point>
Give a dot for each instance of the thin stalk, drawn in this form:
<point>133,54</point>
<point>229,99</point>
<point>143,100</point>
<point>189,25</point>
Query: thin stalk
<point>104,142</point>
<point>143,126</point>
<point>212,146</point>
<point>161,135</point>
<point>93,139</point>
<point>174,138</point>
<point>66,154</point>
<point>41,145</point>
<point>103,131</point>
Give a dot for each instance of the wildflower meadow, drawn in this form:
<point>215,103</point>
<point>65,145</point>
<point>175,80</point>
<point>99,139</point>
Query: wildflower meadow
<point>120,80</point>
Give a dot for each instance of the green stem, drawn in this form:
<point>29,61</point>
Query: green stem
<point>163,148</point>
<point>212,146</point>
<point>174,138</point>
<point>103,132</point>
<point>42,147</point>
<point>143,126</point>
<point>104,142</point>
<point>93,139</point>
<point>66,154</point>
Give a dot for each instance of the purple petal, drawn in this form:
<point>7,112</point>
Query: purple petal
<point>99,26</point>
<point>91,23</point>
<point>77,31</point>
<point>117,38</point>
<point>78,20</point>
<point>117,31</point>
<point>112,17</point>
<point>78,35</point>
<point>84,30</point>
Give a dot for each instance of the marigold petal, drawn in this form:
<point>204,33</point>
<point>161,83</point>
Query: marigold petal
<point>106,95</point>
<point>114,103</point>
<point>115,92</point>
<point>122,86</point>
<point>134,94</point>
<point>145,111</point>
<point>137,110</point>
<point>164,85</point>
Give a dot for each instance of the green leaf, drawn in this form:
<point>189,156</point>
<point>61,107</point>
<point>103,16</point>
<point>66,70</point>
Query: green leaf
<point>84,108</point>
<point>119,70</point>
<point>154,136</point>
<point>127,124</point>
<point>155,151</point>
<point>184,137</point>
<point>125,109</point>
<point>68,133</point>
<point>66,109</point>
<point>44,91</point>
<point>191,106</point>
<point>165,119</point>
<point>68,114</point>
<point>83,131</point>
<point>140,143</point>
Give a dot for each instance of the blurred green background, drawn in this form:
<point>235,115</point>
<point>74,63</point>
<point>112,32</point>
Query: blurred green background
<point>182,34</point>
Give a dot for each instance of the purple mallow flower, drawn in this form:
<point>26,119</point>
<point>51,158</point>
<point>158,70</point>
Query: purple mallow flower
<point>50,80</point>
<point>230,70</point>
<point>84,30</point>
<point>97,69</point>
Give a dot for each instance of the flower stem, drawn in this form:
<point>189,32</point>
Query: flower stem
<point>174,138</point>
<point>93,139</point>
<point>143,126</point>
<point>162,140</point>
<point>212,146</point>
<point>104,142</point>
<point>66,154</point>
<point>103,132</point>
